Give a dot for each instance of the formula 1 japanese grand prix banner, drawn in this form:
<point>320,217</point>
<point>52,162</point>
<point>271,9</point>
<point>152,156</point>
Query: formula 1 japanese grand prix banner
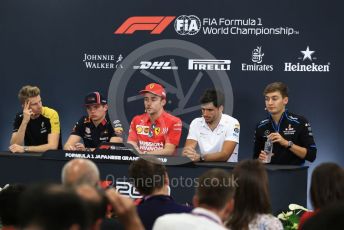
<point>69,48</point>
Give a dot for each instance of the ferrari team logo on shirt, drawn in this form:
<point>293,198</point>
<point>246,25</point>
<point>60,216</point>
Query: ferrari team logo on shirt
<point>149,131</point>
<point>157,131</point>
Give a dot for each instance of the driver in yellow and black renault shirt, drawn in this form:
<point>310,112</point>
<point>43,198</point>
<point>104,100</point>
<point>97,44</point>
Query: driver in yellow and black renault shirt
<point>37,127</point>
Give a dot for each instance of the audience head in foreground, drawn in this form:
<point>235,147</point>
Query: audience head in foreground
<point>150,178</point>
<point>327,188</point>
<point>52,207</point>
<point>80,171</point>
<point>213,202</point>
<point>251,201</point>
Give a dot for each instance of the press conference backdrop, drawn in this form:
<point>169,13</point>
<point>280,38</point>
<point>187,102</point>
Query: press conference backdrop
<point>69,48</point>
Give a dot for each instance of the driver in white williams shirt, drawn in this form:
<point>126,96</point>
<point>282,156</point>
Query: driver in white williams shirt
<point>215,133</point>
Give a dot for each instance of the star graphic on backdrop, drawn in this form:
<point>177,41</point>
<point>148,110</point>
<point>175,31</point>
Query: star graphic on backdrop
<point>307,54</point>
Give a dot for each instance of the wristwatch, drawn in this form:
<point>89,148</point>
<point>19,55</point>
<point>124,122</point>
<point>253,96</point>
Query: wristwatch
<point>290,143</point>
<point>26,148</point>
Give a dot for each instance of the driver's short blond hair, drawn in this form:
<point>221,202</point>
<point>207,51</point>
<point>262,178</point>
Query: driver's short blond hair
<point>28,91</point>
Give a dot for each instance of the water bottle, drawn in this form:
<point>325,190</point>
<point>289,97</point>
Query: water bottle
<point>268,146</point>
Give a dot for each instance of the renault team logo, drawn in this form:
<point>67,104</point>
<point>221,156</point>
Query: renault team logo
<point>187,25</point>
<point>154,24</point>
<point>305,66</point>
<point>209,64</point>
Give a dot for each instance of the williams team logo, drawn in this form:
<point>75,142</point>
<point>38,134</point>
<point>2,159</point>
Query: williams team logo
<point>289,130</point>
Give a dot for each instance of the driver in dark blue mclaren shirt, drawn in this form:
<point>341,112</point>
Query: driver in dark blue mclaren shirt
<point>95,128</point>
<point>291,134</point>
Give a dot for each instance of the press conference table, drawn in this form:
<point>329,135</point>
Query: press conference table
<point>288,184</point>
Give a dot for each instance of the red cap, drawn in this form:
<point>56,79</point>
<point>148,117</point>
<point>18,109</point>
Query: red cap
<point>154,88</point>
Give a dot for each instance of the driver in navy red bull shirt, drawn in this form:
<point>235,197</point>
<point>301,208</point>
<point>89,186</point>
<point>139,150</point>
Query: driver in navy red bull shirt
<point>95,128</point>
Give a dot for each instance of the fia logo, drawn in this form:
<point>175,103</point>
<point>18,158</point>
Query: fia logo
<point>187,25</point>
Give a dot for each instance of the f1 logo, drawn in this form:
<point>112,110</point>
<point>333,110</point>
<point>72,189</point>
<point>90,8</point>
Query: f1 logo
<point>155,24</point>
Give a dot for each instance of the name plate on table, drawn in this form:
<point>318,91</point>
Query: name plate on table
<point>111,152</point>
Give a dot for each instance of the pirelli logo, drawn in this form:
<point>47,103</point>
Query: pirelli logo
<point>209,64</point>
<point>154,24</point>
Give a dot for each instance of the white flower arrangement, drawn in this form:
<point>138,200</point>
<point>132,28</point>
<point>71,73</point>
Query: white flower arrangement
<point>291,218</point>
<point>4,187</point>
